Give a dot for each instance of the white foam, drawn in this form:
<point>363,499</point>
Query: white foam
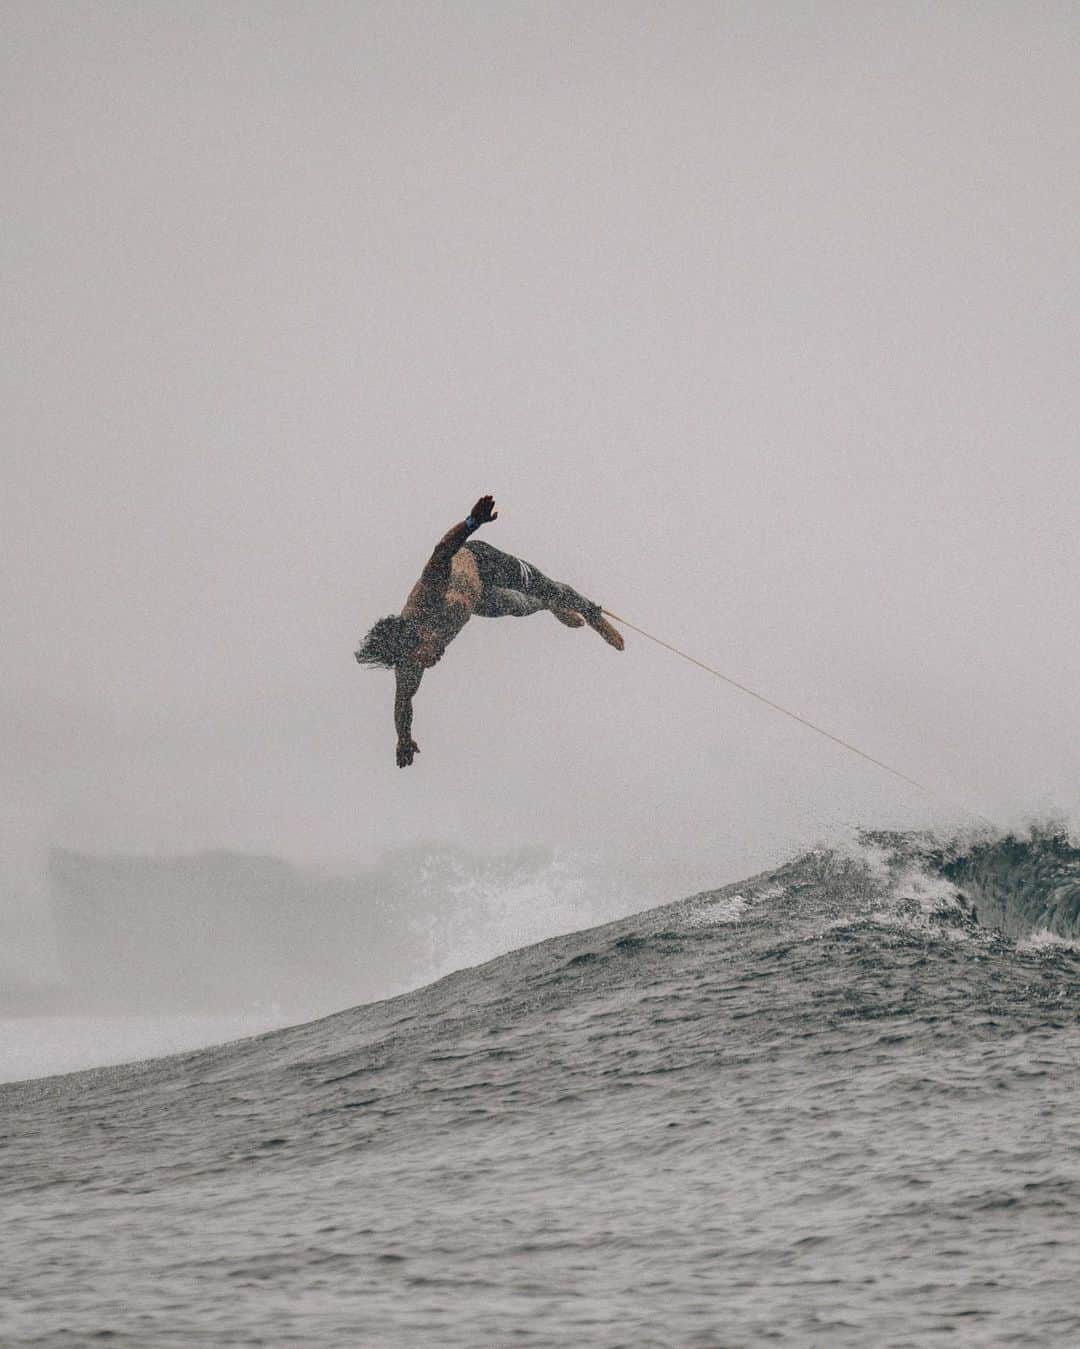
<point>1045,940</point>
<point>474,914</point>
<point>726,909</point>
<point>920,902</point>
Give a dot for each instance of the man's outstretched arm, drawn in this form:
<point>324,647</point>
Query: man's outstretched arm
<point>408,681</point>
<point>438,565</point>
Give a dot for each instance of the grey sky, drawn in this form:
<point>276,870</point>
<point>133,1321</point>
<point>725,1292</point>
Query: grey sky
<point>759,320</point>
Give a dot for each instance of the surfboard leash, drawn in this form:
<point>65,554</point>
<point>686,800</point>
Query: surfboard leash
<point>845,744</point>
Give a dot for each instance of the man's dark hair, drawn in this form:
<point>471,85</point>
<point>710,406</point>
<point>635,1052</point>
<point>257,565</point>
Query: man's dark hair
<point>389,641</point>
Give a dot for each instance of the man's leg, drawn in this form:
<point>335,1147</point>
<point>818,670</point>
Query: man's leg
<point>566,603</point>
<point>515,588</point>
<point>502,602</point>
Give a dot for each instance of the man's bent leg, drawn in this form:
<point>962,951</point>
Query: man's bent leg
<point>500,602</point>
<point>515,588</point>
<point>563,599</point>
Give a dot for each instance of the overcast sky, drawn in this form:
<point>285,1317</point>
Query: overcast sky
<point>758,319</point>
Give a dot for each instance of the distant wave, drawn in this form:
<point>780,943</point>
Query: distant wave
<point>227,933</point>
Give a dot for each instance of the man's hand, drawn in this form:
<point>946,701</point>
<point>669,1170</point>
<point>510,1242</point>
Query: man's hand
<point>405,751</point>
<point>484,511</point>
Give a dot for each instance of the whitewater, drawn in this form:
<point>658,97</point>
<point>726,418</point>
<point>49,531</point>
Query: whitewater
<point>833,1104</point>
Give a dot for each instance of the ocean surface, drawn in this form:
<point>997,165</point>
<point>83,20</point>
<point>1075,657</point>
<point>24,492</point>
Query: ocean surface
<point>835,1104</point>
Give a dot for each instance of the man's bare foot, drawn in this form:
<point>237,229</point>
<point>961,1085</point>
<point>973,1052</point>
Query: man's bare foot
<point>609,634</point>
<point>568,617</point>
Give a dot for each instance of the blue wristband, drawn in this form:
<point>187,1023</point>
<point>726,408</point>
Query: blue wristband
<point>471,524</point>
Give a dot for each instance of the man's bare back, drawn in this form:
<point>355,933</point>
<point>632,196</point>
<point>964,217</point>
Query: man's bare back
<point>460,580</point>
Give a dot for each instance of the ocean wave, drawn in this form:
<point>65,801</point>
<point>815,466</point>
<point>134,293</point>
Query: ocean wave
<point>792,1070</point>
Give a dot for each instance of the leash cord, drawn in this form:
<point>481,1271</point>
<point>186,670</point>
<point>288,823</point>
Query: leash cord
<point>854,749</point>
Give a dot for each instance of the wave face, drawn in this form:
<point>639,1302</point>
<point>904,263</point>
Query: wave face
<point>1025,887</point>
<point>828,1105</point>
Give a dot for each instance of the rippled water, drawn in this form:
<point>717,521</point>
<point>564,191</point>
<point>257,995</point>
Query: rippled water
<point>823,1107</point>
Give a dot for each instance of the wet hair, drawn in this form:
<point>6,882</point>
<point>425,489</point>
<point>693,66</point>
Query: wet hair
<point>390,640</point>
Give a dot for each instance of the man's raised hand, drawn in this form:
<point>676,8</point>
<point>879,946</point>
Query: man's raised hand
<point>484,511</point>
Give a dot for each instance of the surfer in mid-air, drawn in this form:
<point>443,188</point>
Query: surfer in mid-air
<point>463,578</point>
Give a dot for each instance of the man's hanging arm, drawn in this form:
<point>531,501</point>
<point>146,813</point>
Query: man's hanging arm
<point>408,681</point>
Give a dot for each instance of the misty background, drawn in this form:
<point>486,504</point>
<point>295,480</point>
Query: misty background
<point>759,321</point>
